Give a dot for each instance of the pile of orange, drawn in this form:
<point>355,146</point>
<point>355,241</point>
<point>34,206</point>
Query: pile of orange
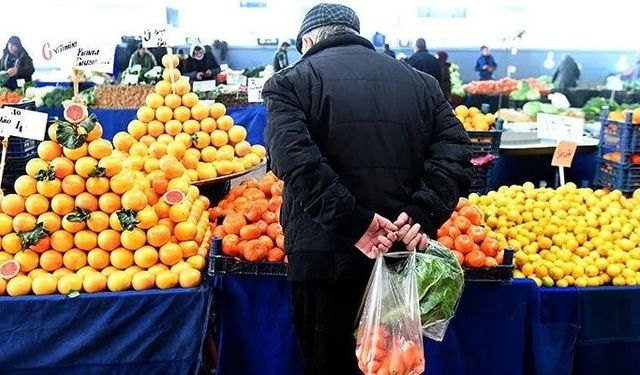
<point>174,124</point>
<point>251,227</point>
<point>465,234</point>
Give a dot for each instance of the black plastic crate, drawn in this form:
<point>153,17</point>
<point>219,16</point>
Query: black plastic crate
<point>222,265</point>
<point>21,147</point>
<point>29,105</point>
<point>483,143</point>
<point>481,181</point>
<point>499,273</point>
<point>617,176</point>
<point>14,167</point>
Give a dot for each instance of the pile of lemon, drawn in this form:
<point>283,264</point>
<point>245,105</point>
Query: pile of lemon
<point>567,236</point>
<point>473,119</point>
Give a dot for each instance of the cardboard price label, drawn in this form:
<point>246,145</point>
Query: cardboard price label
<point>254,90</point>
<point>22,123</point>
<point>204,86</point>
<point>157,37</point>
<point>559,128</point>
<point>95,58</point>
<point>564,154</point>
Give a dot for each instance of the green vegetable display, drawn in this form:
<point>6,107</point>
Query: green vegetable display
<point>593,107</point>
<point>456,81</point>
<point>59,95</point>
<point>525,92</point>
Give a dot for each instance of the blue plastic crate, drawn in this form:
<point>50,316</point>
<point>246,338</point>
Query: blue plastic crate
<point>481,181</point>
<point>483,143</point>
<point>618,176</point>
<point>21,147</point>
<point>619,136</point>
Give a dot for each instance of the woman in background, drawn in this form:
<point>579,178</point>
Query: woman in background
<point>445,82</point>
<point>16,62</point>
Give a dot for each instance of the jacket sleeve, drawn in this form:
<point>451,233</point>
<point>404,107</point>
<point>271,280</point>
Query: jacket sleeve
<point>306,173</point>
<point>447,170</point>
<point>26,69</point>
<point>479,64</point>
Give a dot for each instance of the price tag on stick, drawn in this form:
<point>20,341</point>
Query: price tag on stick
<point>156,37</point>
<point>563,157</point>
<point>254,90</point>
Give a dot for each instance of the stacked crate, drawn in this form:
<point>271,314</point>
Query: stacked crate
<point>484,143</point>
<point>618,162</point>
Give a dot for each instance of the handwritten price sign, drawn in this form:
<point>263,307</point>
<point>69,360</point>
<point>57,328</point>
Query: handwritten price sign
<point>254,90</point>
<point>22,123</point>
<point>564,153</point>
<point>157,37</point>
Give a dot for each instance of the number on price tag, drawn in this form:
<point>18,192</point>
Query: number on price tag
<point>22,123</point>
<point>564,153</point>
<point>156,37</point>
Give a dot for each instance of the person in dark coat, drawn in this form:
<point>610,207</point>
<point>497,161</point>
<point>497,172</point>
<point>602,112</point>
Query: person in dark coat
<point>425,61</point>
<point>201,66</point>
<point>567,74</point>
<point>370,153</point>
<point>16,62</point>
<point>280,58</point>
<point>388,51</point>
<point>143,58</point>
<point>445,82</point>
<point>486,64</point>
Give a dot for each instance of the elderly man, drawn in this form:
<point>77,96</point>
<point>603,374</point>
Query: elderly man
<point>359,140</point>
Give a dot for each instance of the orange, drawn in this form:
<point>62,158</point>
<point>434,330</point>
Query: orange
<point>74,259</point>
<point>154,100</point>
<point>250,232</point>
<point>182,113</point>
<point>61,240</point>
<point>138,149</point>
<point>73,185</point>
<point>147,218</point>
<point>133,239</point>
<point>109,203</point>
<point>61,272</point>
<point>111,165</point>
<point>19,286</point>
<point>145,257</point>
<point>52,222</point>
<point>259,150</point>
<point>155,128</point>
<point>185,139</point>
<point>28,260</point>
<point>134,163</point>
<point>144,114</point>
<point>157,150</point>
<point>237,134</point>
<point>12,204</point>
<point>94,282</point>
<point>191,126</point>
<point>72,226</point>
<point>134,200</point>
<point>44,284</point>
<point>182,87</point>
<point>197,262</point>
<point>122,141</point>
<point>217,110</point>
<point>62,167</point>
<point>189,278</point>
<point>208,154</point>
<point>164,113</point>
<point>185,231</point>
<point>190,99</point>
<point>37,272</point>
<point>97,258</point>
<point>109,239</point>
<point>189,248</point>
<point>208,125</point>
<point>36,204</point>
<point>155,269</point>
<point>233,223</point>
<point>95,133</point>
<point>3,286</point>
<point>87,201</point>
<point>163,88</point>
<point>24,222</point>
<point>143,280</point>
<point>132,270</point>
<point>172,101</point>
<point>121,258</point>
<point>119,281</point>
<point>190,161</point>
<point>100,148</point>
<point>49,188</point>
<point>170,254</point>
<point>69,283</point>
<point>173,170</point>
<point>242,148</point>
<point>225,152</point>
<point>171,75</point>
<point>108,270</point>
<point>76,153</point>
<point>275,255</point>
<point>162,209</point>
<point>49,150</point>
<point>173,127</point>
<point>122,182</point>
<point>85,271</point>
<point>219,138</point>
<point>147,140</point>
<point>179,212</point>
<point>170,60</point>
<point>225,122</point>
<point>36,165</point>
<point>159,184</point>
<point>97,185</point>
<point>98,221</point>
<point>180,266</point>
<point>199,112</point>
<point>175,149</point>
<point>166,279</point>
<point>202,140</point>
<point>166,160</point>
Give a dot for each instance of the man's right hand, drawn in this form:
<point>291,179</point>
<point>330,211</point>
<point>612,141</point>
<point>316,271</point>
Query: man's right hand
<point>378,238</point>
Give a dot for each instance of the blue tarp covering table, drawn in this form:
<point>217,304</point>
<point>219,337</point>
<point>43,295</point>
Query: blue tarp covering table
<point>508,329</point>
<point>148,332</point>
<point>253,118</point>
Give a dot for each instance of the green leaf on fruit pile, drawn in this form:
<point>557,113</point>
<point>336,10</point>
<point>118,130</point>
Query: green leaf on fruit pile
<point>78,215</point>
<point>89,123</point>
<point>128,219</point>
<point>46,174</point>
<point>98,172</point>
<point>69,136</point>
<point>32,237</point>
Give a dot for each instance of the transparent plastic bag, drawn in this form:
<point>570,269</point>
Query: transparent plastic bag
<point>389,337</point>
<point>440,283</point>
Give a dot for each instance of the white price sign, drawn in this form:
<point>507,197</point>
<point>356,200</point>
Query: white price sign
<point>53,49</point>
<point>204,86</point>
<point>22,123</point>
<point>95,58</point>
<point>254,90</point>
<point>560,128</point>
<point>130,79</point>
<point>156,37</point>
<point>236,78</point>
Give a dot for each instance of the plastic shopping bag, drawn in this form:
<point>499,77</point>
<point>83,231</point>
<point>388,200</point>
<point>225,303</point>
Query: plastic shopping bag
<point>389,336</point>
<point>440,283</point>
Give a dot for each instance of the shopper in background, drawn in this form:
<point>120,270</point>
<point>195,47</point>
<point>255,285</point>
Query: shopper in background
<point>201,66</point>
<point>143,58</point>
<point>425,61</point>
<point>486,64</point>
<point>567,74</point>
<point>280,58</point>
<point>388,51</point>
<point>445,82</point>
<point>359,141</point>
<point>16,62</point>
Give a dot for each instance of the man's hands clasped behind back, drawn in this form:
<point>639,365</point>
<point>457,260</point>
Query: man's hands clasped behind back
<point>382,234</point>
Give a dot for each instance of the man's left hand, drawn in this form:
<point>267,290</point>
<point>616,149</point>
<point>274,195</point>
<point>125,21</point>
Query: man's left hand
<point>409,233</point>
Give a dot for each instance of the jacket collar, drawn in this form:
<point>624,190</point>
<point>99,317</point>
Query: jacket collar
<point>340,40</point>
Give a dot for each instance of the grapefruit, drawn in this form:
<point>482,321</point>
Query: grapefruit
<point>174,196</point>
<point>9,269</point>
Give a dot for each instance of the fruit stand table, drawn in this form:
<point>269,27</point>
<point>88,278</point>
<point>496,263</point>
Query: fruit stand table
<point>508,329</point>
<point>147,332</point>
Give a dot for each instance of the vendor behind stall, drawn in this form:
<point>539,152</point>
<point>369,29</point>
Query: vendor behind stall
<point>143,58</point>
<point>16,62</point>
<point>201,66</point>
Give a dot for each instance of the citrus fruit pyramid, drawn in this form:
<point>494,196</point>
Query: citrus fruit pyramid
<point>175,126</point>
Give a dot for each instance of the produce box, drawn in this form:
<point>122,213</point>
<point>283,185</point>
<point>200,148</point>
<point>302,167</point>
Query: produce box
<point>617,136</point>
<point>501,273</point>
<point>481,182</point>
<point>485,142</point>
<point>122,97</point>
<point>617,176</point>
<point>221,264</point>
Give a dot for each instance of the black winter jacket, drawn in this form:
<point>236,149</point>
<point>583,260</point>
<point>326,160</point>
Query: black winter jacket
<point>352,132</point>
<point>426,63</point>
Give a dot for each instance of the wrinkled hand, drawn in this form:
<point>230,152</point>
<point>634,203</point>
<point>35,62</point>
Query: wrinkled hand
<point>409,233</point>
<point>12,72</point>
<point>378,238</point>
